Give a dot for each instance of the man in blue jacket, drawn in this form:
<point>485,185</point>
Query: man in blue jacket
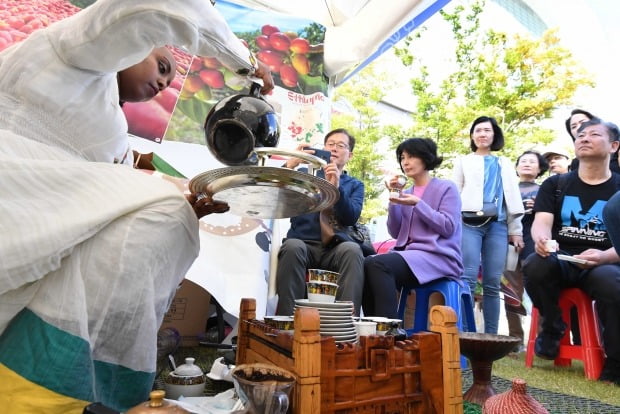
<point>303,247</point>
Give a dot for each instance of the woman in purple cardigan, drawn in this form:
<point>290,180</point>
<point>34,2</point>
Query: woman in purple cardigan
<point>425,220</point>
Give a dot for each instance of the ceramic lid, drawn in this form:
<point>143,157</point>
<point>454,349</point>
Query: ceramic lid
<point>189,369</point>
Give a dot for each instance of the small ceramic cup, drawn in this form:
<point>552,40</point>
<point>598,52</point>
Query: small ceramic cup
<point>322,291</point>
<point>365,328</point>
<point>220,371</point>
<point>321,275</point>
<point>551,246</point>
<point>382,324</point>
<point>395,189</point>
<point>394,193</point>
<point>283,323</point>
<point>512,258</point>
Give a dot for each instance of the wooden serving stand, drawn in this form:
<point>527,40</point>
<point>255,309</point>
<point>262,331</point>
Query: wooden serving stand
<point>421,375</point>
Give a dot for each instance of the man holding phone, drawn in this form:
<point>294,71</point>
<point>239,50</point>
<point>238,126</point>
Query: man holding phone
<point>304,248</point>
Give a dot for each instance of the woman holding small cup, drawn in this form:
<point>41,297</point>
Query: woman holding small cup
<point>425,220</point>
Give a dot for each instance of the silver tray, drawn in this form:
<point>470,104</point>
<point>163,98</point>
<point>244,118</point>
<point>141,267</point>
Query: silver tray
<point>266,192</point>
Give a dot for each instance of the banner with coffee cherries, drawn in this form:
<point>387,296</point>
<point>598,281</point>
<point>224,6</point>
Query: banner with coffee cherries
<point>292,48</point>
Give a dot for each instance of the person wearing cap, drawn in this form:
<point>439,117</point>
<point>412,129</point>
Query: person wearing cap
<point>572,124</point>
<point>558,161</point>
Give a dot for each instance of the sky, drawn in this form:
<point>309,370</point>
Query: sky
<point>588,29</point>
<point>238,24</point>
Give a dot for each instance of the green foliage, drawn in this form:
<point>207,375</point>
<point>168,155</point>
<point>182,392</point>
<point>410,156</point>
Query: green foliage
<point>362,93</point>
<point>314,33</point>
<point>514,78</point>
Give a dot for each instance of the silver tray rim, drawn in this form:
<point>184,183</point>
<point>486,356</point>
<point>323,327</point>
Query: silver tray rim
<point>209,182</point>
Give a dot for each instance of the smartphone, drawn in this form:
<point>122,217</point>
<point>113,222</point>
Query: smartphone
<point>322,154</point>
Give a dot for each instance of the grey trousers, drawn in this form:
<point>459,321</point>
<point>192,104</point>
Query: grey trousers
<point>295,256</point>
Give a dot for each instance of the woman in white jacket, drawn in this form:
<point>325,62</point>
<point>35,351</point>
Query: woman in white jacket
<point>486,179</point>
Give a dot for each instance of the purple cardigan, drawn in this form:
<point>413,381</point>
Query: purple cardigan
<point>429,233</point>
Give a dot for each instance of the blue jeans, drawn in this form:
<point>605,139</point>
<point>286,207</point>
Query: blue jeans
<point>611,218</point>
<point>486,245</point>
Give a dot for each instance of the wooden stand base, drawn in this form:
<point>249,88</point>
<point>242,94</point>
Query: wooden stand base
<point>420,375</point>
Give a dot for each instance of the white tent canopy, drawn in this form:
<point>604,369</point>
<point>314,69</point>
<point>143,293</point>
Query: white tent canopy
<point>357,31</point>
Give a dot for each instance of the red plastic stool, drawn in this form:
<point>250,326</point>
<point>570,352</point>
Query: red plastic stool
<point>590,351</point>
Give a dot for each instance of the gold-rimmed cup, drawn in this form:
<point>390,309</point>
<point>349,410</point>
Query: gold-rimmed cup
<point>322,291</point>
<point>321,275</point>
<point>383,324</point>
<point>283,323</point>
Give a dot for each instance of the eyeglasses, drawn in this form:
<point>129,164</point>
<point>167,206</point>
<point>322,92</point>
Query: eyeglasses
<point>339,145</point>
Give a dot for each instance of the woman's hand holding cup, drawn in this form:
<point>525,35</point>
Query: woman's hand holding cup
<point>395,184</point>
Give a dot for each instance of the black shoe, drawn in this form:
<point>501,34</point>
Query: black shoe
<point>547,344</point>
<point>611,372</point>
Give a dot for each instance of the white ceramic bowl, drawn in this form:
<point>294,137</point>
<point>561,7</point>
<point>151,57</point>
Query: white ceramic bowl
<point>174,391</point>
<point>322,291</point>
<point>187,380</point>
<point>365,328</point>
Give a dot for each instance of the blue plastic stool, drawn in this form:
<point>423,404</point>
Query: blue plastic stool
<point>467,301</point>
<point>453,294</point>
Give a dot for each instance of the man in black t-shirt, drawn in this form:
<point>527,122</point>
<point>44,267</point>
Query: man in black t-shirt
<point>568,209</point>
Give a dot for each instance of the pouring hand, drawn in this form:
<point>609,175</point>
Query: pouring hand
<point>393,183</point>
<point>204,205</point>
<point>293,162</point>
<point>264,73</point>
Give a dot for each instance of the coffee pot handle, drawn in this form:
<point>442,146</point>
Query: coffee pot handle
<point>255,89</point>
<point>280,402</point>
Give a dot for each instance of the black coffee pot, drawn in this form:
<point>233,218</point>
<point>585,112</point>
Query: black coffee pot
<point>239,123</point>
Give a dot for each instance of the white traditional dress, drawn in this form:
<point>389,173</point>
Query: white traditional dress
<point>91,252</point>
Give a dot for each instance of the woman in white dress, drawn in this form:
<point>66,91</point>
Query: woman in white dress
<point>91,251</point>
